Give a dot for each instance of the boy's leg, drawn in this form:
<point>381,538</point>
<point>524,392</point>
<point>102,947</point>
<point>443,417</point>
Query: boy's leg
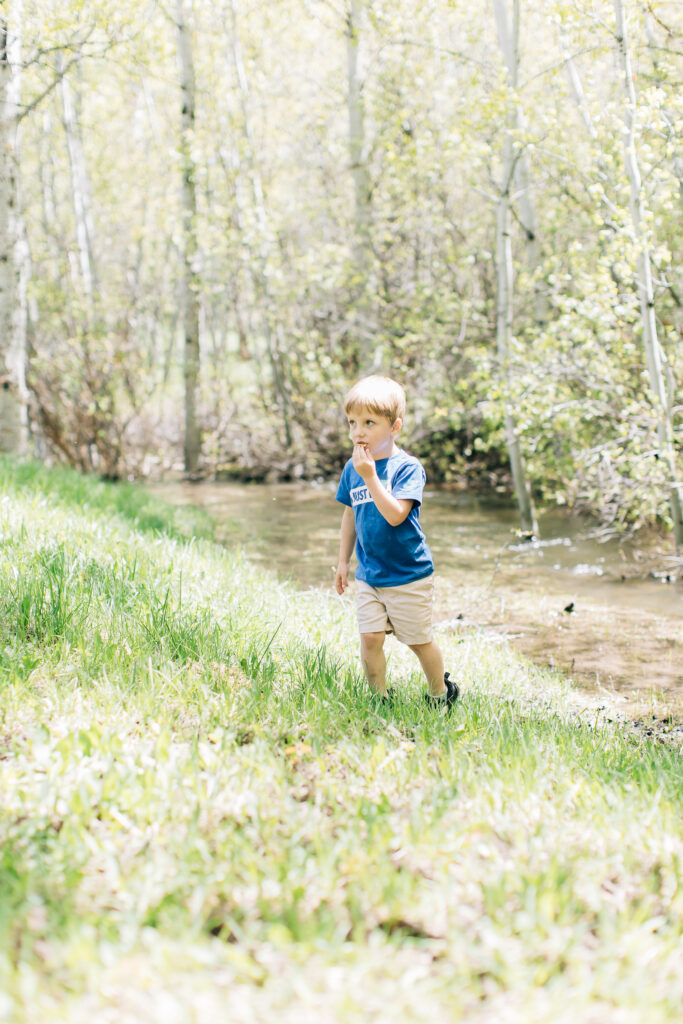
<point>374,660</point>
<point>431,660</point>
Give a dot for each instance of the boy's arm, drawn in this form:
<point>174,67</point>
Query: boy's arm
<point>346,544</point>
<point>394,510</point>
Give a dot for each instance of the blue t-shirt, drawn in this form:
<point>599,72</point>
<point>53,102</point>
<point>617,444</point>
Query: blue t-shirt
<point>388,556</point>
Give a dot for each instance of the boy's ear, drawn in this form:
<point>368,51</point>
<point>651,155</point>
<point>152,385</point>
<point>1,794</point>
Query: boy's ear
<point>396,425</point>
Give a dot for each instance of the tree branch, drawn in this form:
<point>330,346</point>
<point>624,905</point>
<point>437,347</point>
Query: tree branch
<point>59,75</point>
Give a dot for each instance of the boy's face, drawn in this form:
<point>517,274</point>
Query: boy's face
<point>376,433</point>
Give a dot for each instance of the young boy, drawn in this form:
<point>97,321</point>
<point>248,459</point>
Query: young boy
<point>381,487</point>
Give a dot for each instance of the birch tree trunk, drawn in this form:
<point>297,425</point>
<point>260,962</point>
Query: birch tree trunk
<point>190,280</point>
<point>508,40</point>
<point>577,88</point>
<point>609,210</point>
<point>47,194</point>
<point>371,351</point>
<point>504,310</point>
<point>272,331</point>
<point>13,394</point>
<point>656,359</point>
<point>359,167</point>
<point>80,189</point>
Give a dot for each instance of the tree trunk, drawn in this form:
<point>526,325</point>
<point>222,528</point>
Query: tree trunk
<point>504,335</point>
<point>508,39</point>
<point>371,351</point>
<point>80,190</point>
<point>656,359</point>
<point>272,330</point>
<point>359,167</point>
<point>190,281</point>
<point>13,395</point>
<point>47,193</point>
<point>577,87</point>
<point>609,210</point>
<point>504,314</point>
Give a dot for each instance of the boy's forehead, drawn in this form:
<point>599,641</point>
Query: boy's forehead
<point>364,410</point>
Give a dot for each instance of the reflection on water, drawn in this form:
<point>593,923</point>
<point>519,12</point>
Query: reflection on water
<point>294,529</point>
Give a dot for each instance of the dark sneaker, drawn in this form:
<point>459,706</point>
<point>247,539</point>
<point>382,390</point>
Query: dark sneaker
<point>452,694</point>
<point>387,698</point>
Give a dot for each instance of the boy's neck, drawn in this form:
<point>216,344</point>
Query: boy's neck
<point>394,451</point>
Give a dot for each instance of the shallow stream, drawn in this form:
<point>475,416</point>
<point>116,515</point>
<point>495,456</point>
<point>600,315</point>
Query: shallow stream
<point>608,613</point>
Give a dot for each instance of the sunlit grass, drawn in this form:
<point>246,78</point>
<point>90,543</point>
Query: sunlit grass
<point>206,813</point>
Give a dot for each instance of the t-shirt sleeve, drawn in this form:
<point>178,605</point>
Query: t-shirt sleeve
<point>409,481</point>
<point>343,491</point>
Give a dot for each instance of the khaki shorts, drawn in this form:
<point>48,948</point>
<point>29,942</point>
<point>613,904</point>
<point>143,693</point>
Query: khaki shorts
<point>405,611</point>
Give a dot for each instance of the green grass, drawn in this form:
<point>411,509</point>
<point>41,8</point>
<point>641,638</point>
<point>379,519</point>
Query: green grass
<point>123,502</point>
<point>206,815</point>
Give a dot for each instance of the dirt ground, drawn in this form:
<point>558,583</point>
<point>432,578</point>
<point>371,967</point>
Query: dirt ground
<point>629,662</point>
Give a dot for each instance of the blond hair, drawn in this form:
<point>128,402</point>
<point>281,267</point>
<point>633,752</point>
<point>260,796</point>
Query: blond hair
<point>380,395</point>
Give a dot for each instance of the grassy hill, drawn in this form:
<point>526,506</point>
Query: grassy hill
<point>206,815</point>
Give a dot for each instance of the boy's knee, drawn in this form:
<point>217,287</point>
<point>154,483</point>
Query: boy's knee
<point>372,641</point>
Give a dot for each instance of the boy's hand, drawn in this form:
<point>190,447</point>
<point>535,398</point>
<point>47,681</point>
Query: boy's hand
<point>363,461</point>
<point>341,577</point>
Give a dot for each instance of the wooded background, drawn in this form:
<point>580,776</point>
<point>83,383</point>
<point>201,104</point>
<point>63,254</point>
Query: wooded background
<point>215,215</point>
